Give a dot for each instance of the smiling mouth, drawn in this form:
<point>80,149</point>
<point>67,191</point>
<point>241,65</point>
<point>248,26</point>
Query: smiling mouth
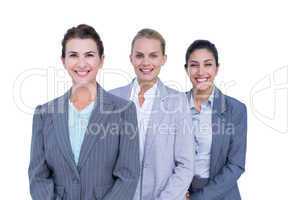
<point>82,73</point>
<point>146,71</point>
<point>201,80</point>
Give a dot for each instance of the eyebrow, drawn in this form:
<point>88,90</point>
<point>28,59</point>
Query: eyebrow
<point>194,61</point>
<point>89,52</point>
<point>149,53</point>
<point>208,60</point>
<point>71,52</point>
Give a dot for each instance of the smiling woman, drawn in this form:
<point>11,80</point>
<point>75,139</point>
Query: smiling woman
<point>166,141</point>
<point>219,126</point>
<point>82,56</point>
<point>71,158</point>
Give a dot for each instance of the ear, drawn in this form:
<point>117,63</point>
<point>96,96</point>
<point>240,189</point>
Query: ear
<point>130,58</point>
<point>63,61</point>
<point>101,61</point>
<point>217,69</point>
<point>165,59</point>
<point>186,69</point>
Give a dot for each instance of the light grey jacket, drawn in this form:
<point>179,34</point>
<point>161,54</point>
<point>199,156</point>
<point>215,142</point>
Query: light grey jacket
<point>168,164</point>
<point>108,166</point>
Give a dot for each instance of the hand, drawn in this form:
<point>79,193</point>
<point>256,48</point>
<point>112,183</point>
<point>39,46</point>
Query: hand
<point>187,196</point>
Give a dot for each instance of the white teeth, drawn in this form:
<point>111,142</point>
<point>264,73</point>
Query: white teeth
<point>82,73</point>
<point>146,70</point>
<point>201,80</point>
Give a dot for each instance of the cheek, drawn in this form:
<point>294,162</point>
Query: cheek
<point>213,73</point>
<point>69,65</point>
<point>95,63</point>
<point>157,69</point>
<point>136,63</point>
<point>157,62</point>
<point>191,74</point>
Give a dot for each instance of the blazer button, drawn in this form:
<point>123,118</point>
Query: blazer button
<point>75,180</point>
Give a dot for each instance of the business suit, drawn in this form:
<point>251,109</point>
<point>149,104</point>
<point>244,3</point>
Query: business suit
<point>228,150</point>
<point>167,165</point>
<point>108,166</point>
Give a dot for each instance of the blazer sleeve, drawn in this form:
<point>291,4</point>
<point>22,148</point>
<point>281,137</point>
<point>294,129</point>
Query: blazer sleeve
<point>178,183</point>
<point>41,184</point>
<point>227,178</point>
<point>127,167</point>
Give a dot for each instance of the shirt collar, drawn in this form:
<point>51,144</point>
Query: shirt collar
<point>136,89</point>
<point>209,102</point>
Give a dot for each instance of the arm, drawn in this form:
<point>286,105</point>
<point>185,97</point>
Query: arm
<point>181,178</point>
<point>235,165</point>
<point>41,185</point>
<point>128,165</point>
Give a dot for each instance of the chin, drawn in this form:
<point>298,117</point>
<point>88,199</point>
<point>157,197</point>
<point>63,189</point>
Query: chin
<point>146,79</point>
<point>82,82</point>
<point>202,88</point>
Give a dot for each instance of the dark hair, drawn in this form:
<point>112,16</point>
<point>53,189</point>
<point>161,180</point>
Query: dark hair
<point>150,34</point>
<point>82,31</point>
<point>201,44</point>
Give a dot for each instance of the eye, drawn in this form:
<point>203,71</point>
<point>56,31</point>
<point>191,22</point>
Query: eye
<point>208,64</point>
<point>89,55</point>
<point>139,55</point>
<point>153,55</point>
<point>193,65</point>
<point>73,55</point>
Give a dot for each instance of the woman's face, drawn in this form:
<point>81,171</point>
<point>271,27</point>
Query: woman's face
<point>147,59</point>
<point>202,69</point>
<point>82,60</point>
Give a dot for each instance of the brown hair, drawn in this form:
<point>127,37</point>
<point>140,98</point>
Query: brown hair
<point>82,31</point>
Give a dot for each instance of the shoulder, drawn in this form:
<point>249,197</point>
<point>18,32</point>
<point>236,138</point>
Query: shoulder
<point>120,105</point>
<point>117,101</point>
<point>235,107</point>
<point>172,93</point>
<point>120,91</point>
<point>176,101</point>
<point>52,106</point>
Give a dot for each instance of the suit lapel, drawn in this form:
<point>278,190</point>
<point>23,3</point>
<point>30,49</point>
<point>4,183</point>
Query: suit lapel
<point>125,92</point>
<point>60,121</point>
<point>218,125</point>
<point>156,117</point>
<point>156,113</point>
<point>103,106</point>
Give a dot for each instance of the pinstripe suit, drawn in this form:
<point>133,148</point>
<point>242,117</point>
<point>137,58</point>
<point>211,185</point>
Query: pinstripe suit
<point>108,166</point>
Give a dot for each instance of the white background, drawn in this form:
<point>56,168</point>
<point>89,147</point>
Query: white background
<point>258,43</point>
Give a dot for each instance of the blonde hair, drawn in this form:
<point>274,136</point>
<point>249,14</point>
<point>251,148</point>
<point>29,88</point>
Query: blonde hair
<point>150,34</point>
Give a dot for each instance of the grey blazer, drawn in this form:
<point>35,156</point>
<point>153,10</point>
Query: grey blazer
<point>168,164</point>
<point>228,151</point>
<point>108,166</point>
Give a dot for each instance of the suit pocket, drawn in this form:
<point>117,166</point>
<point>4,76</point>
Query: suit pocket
<point>100,191</point>
<point>59,191</point>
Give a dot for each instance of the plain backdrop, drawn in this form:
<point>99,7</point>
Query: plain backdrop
<point>258,43</point>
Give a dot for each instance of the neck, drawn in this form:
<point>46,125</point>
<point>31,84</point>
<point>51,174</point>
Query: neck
<point>201,95</point>
<point>83,93</point>
<point>146,85</point>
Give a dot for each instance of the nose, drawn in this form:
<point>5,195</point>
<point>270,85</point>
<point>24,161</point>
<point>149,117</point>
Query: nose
<point>145,61</point>
<point>81,62</point>
<point>200,70</point>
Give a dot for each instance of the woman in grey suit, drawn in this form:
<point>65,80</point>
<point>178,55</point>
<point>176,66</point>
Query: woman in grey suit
<point>219,126</point>
<point>84,143</point>
<point>164,120</point>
